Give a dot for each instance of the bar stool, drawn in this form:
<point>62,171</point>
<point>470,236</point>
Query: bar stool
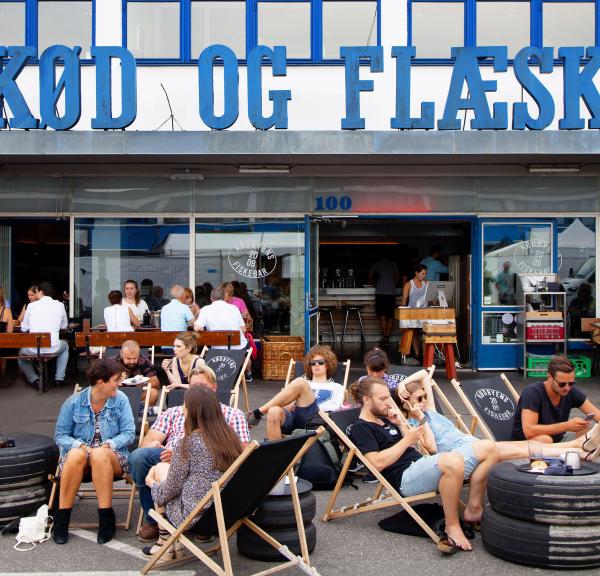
<point>347,309</point>
<point>329,311</point>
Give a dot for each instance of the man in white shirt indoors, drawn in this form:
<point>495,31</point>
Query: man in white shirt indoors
<point>46,315</point>
<point>298,402</point>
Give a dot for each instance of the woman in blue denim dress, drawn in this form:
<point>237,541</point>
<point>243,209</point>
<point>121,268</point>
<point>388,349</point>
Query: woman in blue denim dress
<point>93,431</point>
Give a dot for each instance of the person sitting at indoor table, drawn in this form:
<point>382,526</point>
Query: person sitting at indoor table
<point>118,316</point>
<point>190,302</point>
<point>184,360</point>
<point>93,431</point>
<point>32,296</point>
<point>414,296</point>
<point>133,300</point>
<point>176,316</point>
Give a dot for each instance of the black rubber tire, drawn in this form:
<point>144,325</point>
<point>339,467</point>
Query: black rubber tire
<point>253,546</point>
<point>24,469</point>
<point>540,545</point>
<point>278,511</point>
<point>565,500</point>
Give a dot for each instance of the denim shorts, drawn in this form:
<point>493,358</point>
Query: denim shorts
<point>298,417</point>
<point>424,474</point>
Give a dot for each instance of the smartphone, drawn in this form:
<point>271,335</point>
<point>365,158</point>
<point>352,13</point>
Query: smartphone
<point>589,417</point>
<point>424,420</point>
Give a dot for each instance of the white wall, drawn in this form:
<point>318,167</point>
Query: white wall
<point>318,92</point>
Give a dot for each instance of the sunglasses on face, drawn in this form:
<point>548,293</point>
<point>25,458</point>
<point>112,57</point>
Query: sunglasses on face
<point>421,398</point>
<point>317,362</point>
<point>563,384</point>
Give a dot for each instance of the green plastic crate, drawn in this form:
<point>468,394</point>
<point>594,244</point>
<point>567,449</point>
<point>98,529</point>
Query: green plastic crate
<point>537,366</point>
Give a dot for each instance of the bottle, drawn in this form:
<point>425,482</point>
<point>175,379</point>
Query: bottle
<point>351,281</point>
<point>338,278</point>
<point>147,320</point>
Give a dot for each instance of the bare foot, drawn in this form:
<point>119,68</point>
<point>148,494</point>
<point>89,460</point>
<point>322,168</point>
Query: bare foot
<point>472,514</point>
<point>458,536</point>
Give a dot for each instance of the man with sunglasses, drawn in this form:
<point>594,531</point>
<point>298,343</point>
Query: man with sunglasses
<point>298,402</point>
<point>543,412</point>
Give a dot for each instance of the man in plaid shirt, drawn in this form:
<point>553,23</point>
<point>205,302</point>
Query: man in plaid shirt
<point>158,443</point>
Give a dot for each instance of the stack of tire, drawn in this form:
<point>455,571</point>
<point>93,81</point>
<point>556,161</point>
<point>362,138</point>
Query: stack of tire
<point>543,521</point>
<point>276,516</point>
<point>24,469</point>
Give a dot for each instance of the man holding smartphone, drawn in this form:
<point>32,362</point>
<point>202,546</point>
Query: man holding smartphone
<point>543,412</point>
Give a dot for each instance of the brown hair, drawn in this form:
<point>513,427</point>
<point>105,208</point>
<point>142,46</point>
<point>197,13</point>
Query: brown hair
<point>227,288</point>
<point>410,388</point>
<point>2,298</point>
<point>103,370</point>
<point>188,294</point>
<point>329,357</point>
<point>115,297</point>
<point>188,340</point>
<point>137,290</point>
<point>205,418</point>
<point>376,360</point>
<point>560,363</point>
<point>364,387</point>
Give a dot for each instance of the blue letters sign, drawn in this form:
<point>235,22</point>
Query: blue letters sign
<point>578,87</point>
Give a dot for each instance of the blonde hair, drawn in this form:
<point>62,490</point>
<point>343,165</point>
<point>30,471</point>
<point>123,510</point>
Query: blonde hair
<point>188,339</point>
<point>203,370</point>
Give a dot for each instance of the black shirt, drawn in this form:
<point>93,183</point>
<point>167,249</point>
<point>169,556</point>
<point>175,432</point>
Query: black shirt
<point>372,437</point>
<point>535,398</point>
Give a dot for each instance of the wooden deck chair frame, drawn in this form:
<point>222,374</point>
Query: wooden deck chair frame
<point>378,500</point>
<point>477,421</point>
<point>292,367</point>
<point>214,497</point>
<point>128,492</point>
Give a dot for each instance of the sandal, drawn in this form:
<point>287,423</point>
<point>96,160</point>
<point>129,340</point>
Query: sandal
<point>593,439</point>
<point>447,546</point>
<point>471,526</point>
<point>174,553</point>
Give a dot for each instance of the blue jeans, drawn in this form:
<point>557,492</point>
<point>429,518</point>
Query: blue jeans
<point>61,361</point>
<point>140,462</point>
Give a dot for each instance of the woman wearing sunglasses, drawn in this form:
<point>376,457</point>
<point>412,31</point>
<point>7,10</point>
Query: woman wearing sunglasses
<point>298,402</point>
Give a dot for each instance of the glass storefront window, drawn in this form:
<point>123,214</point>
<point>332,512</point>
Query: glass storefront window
<point>437,27</point>
<point>346,23</point>
<point>500,328</point>
<point>569,24</point>
<point>503,24</point>
<point>577,270</point>
<point>12,23</point>
<point>285,24</point>
<point>109,251</point>
<point>68,23</point>
<point>153,29</point>
<point>268,257</point>
<point>510,249</point>
<point>222,22</point>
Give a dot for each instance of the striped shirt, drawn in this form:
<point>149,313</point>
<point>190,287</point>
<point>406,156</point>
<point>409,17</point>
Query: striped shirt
<point>171,423</point>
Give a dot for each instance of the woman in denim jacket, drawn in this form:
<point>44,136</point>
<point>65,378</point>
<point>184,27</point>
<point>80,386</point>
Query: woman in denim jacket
<point>93,431</point>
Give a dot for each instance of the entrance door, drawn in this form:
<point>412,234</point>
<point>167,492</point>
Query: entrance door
<point>311,282</point>
<point>506,248</point>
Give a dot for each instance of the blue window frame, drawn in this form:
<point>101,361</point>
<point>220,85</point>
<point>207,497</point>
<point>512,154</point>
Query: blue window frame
<point>314,27</point>
<point>21,23</point>
<point>546,26</point>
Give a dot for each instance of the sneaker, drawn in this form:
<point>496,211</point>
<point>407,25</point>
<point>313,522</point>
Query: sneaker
<point>204,539</point>
<point>357,467</point>
<point>370,479</point>
<point>248,376</point>
<point>148,532</point>
<point>252,419</point>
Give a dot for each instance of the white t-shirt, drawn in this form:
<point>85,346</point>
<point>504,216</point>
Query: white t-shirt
<point>138,309</point>
<point>221,316</point>
<point>329,395</point>
<point>117,318</point>
<point>45,315</point>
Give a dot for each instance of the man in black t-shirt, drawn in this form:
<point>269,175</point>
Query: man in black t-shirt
<point>544,407</point>
<point>387,442</point>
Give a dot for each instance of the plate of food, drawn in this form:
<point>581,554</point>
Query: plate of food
<point>135,380</point>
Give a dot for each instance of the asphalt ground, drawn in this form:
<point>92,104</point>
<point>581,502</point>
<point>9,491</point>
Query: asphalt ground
<point>354,545</point>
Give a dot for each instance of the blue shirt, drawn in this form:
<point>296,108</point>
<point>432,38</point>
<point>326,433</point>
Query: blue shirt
<point>447,436</point>
<point>75,424</point>
<point>175,316</point>
<point>434,268</point>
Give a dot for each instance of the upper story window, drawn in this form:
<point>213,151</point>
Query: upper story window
<point>435,26</point>
<point>43,23</point>
<point>312,30</point>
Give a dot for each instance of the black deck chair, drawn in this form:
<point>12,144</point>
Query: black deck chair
<point>232,500</point>
<point>175,397</point>
<point>492,402</point>
<point>229,367</point>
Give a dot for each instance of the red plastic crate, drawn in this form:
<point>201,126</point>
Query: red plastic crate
<point>545,331</point>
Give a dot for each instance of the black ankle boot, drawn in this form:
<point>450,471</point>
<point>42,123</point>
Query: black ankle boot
<point>62,518</point>
<point>107,526</point>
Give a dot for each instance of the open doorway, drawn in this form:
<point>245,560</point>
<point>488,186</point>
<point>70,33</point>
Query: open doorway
<point>349,246</point>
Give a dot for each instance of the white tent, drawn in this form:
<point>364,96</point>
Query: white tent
<point>576,235</point>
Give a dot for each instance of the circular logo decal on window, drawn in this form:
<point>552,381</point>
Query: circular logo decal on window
<point>252,259</point>
<point>223,366</point>
<point>495,404</point>
<point>533,257</point>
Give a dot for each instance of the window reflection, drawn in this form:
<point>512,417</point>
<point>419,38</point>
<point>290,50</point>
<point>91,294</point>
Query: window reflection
<point>511,249</point>
<point>266,259</point>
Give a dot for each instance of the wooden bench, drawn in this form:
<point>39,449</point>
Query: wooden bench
<point>86,340</point>
<point>35,340</point>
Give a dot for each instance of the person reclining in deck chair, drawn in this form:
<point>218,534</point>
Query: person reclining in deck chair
<point>544,407</point>
<point>208,447</point>
<point>387,442</point>
<point>446,437</point>
<point>298,402</point>
<point>160,440</point>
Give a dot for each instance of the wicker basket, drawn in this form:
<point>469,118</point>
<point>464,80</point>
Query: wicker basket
<point>277,351</point>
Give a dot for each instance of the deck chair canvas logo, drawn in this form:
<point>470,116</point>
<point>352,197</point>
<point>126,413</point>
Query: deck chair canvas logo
<point>495,404</point>
<point>224,367</point>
